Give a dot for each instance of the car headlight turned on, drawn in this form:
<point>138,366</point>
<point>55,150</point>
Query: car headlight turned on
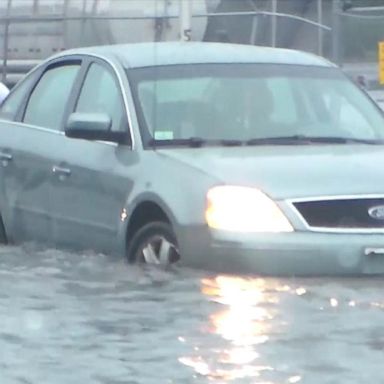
<point>244,209</point>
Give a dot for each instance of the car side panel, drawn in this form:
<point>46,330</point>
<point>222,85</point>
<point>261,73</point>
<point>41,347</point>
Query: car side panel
<point>87,204</point>
<point>26,155</point>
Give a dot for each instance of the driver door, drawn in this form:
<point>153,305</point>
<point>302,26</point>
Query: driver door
<point>93,178</point>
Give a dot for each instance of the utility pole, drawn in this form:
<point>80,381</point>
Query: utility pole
<point>185,20</point>
<point>274,23</point>
<point>320,30</point>
<point>336,31</point>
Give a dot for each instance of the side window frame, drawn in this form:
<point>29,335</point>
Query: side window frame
<point>34,76</point>
<point>87,63</point>
<point>60,62</point>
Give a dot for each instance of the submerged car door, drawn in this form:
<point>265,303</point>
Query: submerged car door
<point>93,177</point>
<point>28,146</point>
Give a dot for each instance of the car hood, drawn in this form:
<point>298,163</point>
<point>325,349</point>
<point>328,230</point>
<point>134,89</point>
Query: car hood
<point>292,171</point>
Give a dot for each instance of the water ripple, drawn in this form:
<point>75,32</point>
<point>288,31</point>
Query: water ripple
<point>71,318</point>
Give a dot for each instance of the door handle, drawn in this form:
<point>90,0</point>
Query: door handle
<point>5,158</point>
<point>374,252</point>
<point>57,170</point>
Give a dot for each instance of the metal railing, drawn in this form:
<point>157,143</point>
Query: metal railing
<point>10,70</point>
<point>8,20</point>
<point>274,25</point>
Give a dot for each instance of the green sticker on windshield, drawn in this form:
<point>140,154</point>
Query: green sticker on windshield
<point>163,135</point>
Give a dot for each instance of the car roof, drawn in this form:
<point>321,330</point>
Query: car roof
<point>172,53</point>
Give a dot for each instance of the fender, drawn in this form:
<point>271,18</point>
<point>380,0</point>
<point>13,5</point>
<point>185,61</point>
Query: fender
<point>130,207</point>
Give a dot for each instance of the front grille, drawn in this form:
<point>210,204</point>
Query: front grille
<point>341,213</point>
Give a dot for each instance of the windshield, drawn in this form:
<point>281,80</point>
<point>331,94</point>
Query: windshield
<point>244,102</point>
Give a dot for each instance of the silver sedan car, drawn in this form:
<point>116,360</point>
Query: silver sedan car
<point>223,157</point>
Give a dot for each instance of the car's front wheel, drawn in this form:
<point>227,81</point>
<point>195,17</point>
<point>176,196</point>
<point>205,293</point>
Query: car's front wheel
<point>154,243</point>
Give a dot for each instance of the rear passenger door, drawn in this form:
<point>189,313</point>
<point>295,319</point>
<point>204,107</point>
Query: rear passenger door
<point>89,195</point>
<point>29,147</point>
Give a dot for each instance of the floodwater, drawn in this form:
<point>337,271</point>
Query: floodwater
<point>85,318</point>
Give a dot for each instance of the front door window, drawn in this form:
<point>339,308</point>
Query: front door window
<point>47,103</point>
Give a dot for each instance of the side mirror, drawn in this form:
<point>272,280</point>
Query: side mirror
<point>93,126</point>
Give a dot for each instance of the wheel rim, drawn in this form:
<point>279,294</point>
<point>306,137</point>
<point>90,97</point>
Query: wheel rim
<point>158,250</point>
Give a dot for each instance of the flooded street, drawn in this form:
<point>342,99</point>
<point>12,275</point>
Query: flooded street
<point>84,318</point>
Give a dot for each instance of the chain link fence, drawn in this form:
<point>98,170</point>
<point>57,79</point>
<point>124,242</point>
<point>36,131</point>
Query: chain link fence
<point>345,31</point>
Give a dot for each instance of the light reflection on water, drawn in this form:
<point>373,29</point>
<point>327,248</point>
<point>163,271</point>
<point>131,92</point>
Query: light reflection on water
<point>272,331</point>
<point>73,318</point>
<point>244,319</point>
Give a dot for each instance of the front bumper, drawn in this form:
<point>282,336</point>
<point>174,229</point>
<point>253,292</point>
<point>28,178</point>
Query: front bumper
<point>285,254</point>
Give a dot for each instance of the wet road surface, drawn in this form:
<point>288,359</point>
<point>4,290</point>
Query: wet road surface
<point>84,318</point>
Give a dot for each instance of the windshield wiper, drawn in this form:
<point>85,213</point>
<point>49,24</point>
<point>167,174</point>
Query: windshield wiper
<point>197,142</point>
<point>193,142</point>
<point>229,142</point>
<point>306,140</point>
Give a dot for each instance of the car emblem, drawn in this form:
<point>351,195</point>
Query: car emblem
<point>377,212</point>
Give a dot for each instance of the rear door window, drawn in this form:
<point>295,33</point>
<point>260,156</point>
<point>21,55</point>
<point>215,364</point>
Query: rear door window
<point>12,104</point>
